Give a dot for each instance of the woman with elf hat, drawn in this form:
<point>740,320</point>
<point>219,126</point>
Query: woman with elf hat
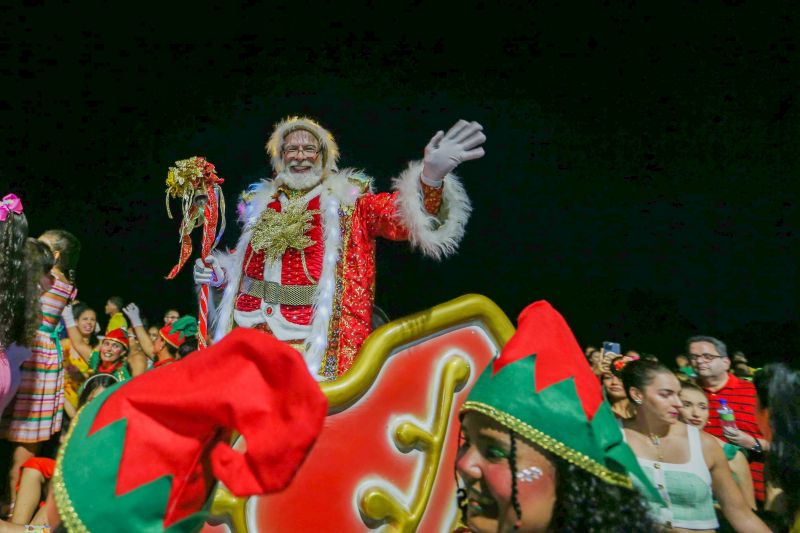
<point>110,357</point>
<point>541,449</point>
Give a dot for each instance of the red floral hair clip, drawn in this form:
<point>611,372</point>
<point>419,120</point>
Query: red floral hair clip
<point>618,363</point>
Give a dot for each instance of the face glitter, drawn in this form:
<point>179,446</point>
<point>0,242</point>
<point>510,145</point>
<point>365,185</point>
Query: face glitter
<point>529,474</point>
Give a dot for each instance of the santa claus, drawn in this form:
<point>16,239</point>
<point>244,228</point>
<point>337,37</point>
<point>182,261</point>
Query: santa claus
<point>304,266</point>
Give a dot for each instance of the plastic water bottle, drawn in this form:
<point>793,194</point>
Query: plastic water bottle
<point>726,417</point>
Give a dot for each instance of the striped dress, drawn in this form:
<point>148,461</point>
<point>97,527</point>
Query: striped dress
<point>39,405</point>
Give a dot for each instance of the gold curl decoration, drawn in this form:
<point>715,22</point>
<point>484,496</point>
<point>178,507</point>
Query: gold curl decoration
<point>378,504</point>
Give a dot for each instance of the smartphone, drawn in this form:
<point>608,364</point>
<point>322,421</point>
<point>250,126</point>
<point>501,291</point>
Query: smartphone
<point>612,347</point>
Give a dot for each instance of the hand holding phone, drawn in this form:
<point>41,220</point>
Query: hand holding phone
<point>612,347</point>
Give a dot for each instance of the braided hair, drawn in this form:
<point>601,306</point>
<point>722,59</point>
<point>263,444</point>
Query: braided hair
<point>512,463</point>
<point>461,493</point>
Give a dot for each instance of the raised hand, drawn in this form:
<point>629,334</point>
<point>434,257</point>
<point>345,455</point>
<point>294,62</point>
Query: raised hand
<point>132,310</point>
<point>446,151</point>
<point>68,316</point>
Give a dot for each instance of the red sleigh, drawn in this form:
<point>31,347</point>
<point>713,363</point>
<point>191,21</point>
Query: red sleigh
<point>385,457</point>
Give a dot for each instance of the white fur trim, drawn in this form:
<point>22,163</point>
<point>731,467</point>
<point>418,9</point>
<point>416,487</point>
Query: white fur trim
<point>317,342</point>
<point>255,199</point>
<point>222,320</point>
<point>436,236</point>
<point>274,146</point>
<point>337,189</point>
<point>347,185</point>
<point>429,182</point>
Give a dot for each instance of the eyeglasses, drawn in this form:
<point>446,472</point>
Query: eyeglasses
<point>308,150</point>
<point>704,356</point>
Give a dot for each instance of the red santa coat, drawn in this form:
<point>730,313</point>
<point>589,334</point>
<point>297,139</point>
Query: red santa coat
<point>341,258</point>
<point>292,271</point>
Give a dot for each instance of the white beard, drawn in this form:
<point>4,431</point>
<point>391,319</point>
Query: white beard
<point>300,181</point>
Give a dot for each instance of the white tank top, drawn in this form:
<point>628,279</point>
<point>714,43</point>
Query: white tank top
<point>685,487</point>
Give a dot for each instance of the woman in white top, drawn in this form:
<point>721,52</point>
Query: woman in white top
<point>684,463</point>
<point>695,413</point>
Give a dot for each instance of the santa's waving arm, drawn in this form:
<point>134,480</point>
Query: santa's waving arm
<point>446,151</point>
<point>429,201</point>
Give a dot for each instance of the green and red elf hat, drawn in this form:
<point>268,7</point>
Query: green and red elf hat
<point>145,454</point>
<point>542,388</point>
<point>118,335</point>
<point>176,333</point>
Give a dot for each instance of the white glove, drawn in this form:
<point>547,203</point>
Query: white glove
<point>213,274</point>
<point>445,152</point>
<point>69,318</point>
<point>132,310</point>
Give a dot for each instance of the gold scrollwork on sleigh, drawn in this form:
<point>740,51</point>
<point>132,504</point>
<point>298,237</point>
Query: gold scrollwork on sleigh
<point>381,504</point>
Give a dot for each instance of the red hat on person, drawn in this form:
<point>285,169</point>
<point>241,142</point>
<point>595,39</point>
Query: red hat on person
<point>146,454</point>
<point>177,332</point>
<point>118,335</point>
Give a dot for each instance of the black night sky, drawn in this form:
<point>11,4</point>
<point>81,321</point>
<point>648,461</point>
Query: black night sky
<point>641,168</point>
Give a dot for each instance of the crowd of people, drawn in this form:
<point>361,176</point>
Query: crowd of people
<point>55,356</point>
<point>630,444</point>
<point>703,431</point>
<point>303,272</point>
<point>553,439</point>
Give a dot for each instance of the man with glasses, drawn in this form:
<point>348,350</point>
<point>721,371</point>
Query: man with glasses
<point>709,358</point>
<point>304,266</point>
